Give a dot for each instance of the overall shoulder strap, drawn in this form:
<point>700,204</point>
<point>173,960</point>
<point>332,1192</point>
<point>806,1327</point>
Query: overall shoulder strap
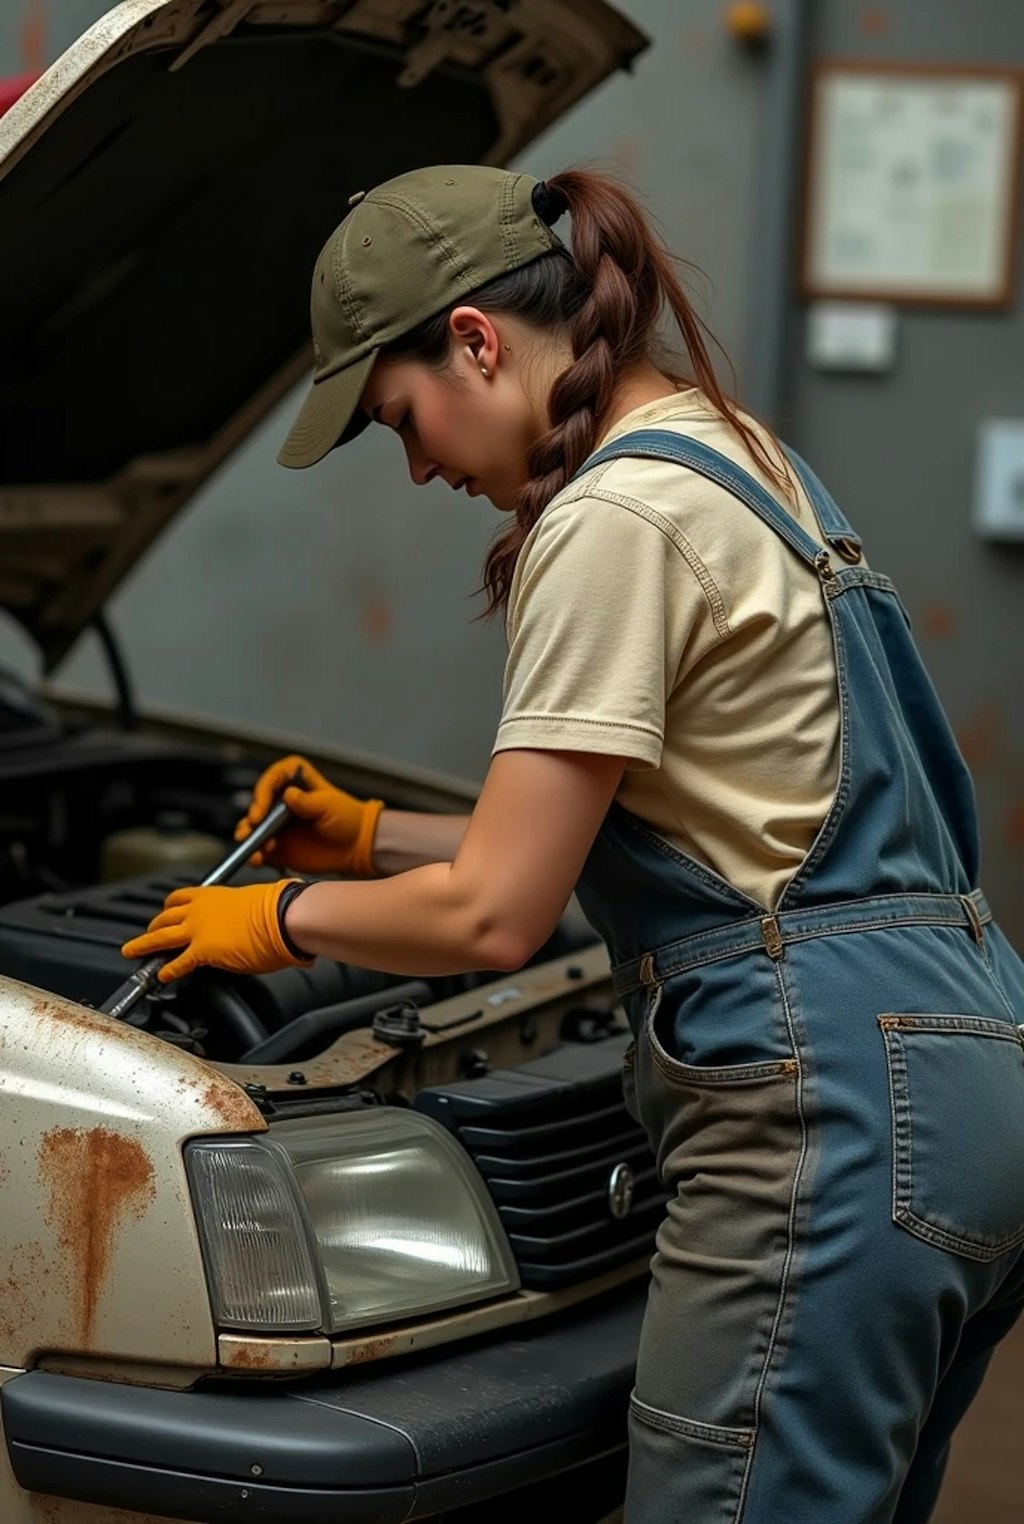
<point>665,444</point>
<point>835,526</point>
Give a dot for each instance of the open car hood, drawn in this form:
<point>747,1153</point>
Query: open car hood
<point>164,190</point>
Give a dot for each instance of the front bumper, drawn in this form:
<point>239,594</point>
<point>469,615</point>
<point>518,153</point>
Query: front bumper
<point>404,1439</point>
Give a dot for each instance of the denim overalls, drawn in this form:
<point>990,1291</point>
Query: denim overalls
<point>835,1092</point>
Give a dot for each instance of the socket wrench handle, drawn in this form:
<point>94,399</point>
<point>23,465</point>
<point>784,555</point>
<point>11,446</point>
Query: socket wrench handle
<point>144,980</point>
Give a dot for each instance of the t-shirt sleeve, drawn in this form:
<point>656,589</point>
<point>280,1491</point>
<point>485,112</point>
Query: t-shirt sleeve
<point>604,608</point>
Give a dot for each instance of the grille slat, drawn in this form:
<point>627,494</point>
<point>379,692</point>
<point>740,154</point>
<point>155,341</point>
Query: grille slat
<point>610,1149</point>
<point>591,1204</point>
<point>495,1137</point>
<point>572,1245</point>
<point>546,1138</point>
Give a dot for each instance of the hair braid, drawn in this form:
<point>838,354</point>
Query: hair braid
<point>607,334</point>
<point>607,297</point>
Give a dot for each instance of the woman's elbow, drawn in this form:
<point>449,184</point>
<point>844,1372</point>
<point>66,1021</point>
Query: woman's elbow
<point>503,948</point>
<point>505,943</point>
<point>499,936</point>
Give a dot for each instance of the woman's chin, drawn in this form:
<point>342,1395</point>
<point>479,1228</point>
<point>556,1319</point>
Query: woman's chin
<point>504,502</point>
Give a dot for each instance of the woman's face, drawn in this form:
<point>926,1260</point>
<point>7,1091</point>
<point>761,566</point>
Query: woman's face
<point>472,430</point>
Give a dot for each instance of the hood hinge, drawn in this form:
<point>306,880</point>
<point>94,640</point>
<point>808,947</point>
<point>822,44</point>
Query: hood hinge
<point>218,26</point>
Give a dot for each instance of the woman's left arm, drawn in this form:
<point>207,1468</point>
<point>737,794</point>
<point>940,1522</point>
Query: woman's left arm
<point>502,896</point>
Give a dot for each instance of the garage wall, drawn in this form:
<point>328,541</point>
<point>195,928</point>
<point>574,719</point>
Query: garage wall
<point>898,452</point>
<point>338,601</point>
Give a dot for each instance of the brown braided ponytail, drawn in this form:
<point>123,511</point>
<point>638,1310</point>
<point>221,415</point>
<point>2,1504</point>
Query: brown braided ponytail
<point>607,296</point>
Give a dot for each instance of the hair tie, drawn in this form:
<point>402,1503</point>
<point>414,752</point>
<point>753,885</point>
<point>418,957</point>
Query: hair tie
<point>549,203</point>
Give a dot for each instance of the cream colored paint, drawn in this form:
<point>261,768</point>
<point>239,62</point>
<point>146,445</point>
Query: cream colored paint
<point>69,1078</point>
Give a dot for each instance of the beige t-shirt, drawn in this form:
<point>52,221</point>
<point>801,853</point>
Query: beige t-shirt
<point>654,616</point>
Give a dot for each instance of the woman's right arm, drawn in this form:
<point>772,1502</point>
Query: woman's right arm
<point>410,839</point>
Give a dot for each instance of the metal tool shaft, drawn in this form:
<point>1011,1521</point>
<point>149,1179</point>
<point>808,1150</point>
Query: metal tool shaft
<point>144,980</point>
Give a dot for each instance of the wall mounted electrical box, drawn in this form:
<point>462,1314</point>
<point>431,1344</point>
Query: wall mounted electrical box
<point>998,507</point>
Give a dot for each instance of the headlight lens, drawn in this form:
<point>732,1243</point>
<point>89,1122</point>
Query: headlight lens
<point>388,1219</point>
<point>260,1264</point>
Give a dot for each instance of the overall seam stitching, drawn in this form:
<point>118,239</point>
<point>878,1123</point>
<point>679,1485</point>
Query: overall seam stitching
<point>981,1249</point>
<point>675,1423</point>
<point>706,875</point>
<point>830,825</point>
<point>995,981</point>
<point>827,511</point>
<point>784,1283</point>
<point>755,943</point>
<point>850,577</point>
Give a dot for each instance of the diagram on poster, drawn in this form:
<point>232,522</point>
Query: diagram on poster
<point>912,185</point>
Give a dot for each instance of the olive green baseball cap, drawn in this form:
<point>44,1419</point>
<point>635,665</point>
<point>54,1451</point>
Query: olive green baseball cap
<point>407,250</point>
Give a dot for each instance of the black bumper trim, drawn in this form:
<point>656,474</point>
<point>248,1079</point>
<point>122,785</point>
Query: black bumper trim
<point>399,1440</point>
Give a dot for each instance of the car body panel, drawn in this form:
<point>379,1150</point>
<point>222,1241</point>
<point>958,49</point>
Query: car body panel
<point>98,1224</point>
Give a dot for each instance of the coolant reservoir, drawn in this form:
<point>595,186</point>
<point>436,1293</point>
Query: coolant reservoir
<point>168,843</point>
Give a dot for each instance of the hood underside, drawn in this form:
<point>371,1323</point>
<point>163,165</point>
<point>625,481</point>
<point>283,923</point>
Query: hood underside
<point>164,191</point>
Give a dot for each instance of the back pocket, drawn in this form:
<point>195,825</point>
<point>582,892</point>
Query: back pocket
<point>957,1089</point>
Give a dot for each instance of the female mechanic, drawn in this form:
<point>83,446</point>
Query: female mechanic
<point>717,727</point>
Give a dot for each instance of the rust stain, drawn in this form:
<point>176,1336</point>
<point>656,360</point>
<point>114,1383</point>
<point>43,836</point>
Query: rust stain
<point>95,1177</point>
<point>378,1349</point>
<point>32,38</point>
<point>377,620</point>
<point>875,21</point>
<point>250,1357</point>
<point>939,621</point>
<point>53,1008</point>
<point>21,1285</point>
<point>231,1104</point>
<point>980,739</point>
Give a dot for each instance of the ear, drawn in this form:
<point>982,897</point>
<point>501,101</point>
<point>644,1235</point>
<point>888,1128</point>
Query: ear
<point>474,338</point>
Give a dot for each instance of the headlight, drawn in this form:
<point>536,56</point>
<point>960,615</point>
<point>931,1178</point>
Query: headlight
<point>336,1221</point>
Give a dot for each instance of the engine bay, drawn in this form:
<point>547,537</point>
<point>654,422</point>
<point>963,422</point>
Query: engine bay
<point>97,827</point>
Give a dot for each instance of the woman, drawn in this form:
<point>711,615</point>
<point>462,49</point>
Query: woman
<point>716,722</point>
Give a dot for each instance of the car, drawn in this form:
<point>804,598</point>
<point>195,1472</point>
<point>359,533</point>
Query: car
<point>322,1244</point>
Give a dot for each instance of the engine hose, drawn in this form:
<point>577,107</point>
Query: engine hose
<point>332,1021</point>
<point>228,1006</point>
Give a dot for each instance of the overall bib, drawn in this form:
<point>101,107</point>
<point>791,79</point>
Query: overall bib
<point>835,1094</point>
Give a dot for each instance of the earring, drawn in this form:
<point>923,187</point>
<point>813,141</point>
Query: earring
<point>484,371</point>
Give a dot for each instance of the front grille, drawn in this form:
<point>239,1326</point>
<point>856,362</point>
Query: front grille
<point>546,1138</point>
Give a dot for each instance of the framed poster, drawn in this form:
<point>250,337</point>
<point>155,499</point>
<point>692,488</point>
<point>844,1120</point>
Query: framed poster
<point>912,190</point>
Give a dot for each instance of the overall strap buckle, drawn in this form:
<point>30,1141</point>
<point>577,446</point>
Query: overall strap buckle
<point>771,936</point>
<point>646,972</point>
<point>973,919</point>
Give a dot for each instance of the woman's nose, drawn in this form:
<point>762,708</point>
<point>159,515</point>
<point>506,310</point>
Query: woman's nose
<point>421,469</point>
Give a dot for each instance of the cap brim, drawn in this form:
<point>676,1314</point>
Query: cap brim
<point>329,416</point>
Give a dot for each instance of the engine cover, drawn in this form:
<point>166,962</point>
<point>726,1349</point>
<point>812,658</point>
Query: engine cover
<point>70,943</point>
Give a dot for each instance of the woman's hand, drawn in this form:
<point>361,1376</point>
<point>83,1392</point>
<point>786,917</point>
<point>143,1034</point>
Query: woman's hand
<point>235,929</point>
<point>332,832</point>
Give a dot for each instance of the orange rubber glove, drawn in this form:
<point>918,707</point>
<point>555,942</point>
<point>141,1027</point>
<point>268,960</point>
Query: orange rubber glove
<point>333,832</point>
<point>228,928</point>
